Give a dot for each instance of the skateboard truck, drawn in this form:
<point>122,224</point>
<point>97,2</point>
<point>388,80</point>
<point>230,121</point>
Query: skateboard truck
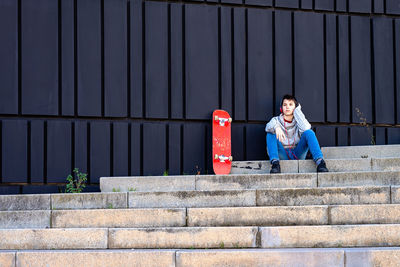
<point>222,120</point>
<point>223,158</point>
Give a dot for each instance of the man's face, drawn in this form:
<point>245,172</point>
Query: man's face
<point>288,107</point>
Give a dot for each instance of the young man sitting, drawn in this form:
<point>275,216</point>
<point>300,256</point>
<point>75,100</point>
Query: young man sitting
<point>289,136</point>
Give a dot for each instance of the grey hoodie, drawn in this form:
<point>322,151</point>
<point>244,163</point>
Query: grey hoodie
<point>293,130</point>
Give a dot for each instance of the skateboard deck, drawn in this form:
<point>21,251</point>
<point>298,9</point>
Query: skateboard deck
<point>221,142</point>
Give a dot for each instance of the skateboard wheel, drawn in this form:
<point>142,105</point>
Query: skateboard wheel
<point>230,120</point>
<point>216,156</point>
<point>230,158</point>
<point>216,118</point>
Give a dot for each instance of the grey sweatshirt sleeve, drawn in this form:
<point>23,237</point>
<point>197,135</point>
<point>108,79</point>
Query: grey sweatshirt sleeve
<point>270,127</point>
<point>302,122</point>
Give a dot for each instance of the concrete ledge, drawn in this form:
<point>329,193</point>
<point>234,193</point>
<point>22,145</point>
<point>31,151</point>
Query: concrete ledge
<point>254,181</point>
<point>147,183</point>
<point>186,237</point>
<point>261,258</point>
<point>358,178</point>
<point>24,202</point>
<point>53,238</point>
<point>365,214</point>
<point>263,167</point>
<point>258,216</point>
<point>377,257</point>
<point>387,164</point>
<point>184,199</point>
<point>323,196</point>
<point>119,218</point>
<point>330,236</point>
<point>377,151</point>
<point>89,201</point>
<point>337,165</point>
<point>7,259</point>
<point>25,219</point>
<point>87,258</point>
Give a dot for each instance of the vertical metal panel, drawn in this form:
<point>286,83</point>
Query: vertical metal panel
<point>260,90</point>
<point>157,95</point>
<point>341,5</point>
<point>115,58</point>
<point>233,1</point>
<point>41,189</point>
<point>393,135</point>
<point>238,143</point>
<point>136,58</point>
<point>120,149</point>
<point>37,151</point>
<point>89,57</point>
<point>307,4</point>
<point>239,64</point>
<point>226,59</point>
<point>393,7</point>
<point>174,149</point>
<point>361,67</point>
<point>283,56</point>
<point>14,151</point>
<point>136,149</point>
<point>201,55</point>
<point>309,64</point>
<point>39,47</point>
<point>67,64</point>
<point>287,3</point>
<point>343,137</point>
<point>255,142</point>
<point>100,148</point>
<point>326,135</point>
<point>209,159</point>
<point>9,190</point>
<point>380,138</point>
<point>360,6</point>
<point>361,136</point>
<point>379,6</point>
<point>384,76</point>
<point>259,2</point>
<point>176,62</point>
<point>397,64</point>
<point>193,148</point>
<point>58,151</point>
<point>81,146</point>
<point>324,5</point>
<point>9,57</point>
<point>344,73</point>
<point>154,149</point>
<point>331,68</point>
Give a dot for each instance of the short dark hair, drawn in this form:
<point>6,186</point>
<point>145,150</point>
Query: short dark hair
<point>289,97</point>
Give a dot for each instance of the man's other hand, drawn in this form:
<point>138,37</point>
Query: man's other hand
<point>279,134</point>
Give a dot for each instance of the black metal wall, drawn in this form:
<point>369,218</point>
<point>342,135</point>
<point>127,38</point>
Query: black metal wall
<point>127,87</point>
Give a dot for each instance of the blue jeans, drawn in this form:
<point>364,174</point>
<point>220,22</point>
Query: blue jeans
<point>307,141</point>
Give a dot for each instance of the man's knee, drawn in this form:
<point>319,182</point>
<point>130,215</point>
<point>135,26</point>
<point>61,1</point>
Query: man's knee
<point>309,133</point>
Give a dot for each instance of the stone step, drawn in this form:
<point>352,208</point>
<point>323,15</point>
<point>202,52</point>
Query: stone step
<point>368,235</point>
<point>358,178</point>
<point>377,151</point>
<point>293,257</point>
<point>308,166</point>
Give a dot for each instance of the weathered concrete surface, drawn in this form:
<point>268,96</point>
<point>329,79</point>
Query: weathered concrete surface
<point>118,218</point>
<point>25,202</point>
<point>53,238</point>
<point>386,164</point>
<point>365,214</point>
<point>395,194</point>
<point>255,181</point>
<point>183,199</point>
<point>331,236</point>
<point>262,167</point>
<point>258,216</point>
<point>104,258</point>
<point>376,151</point>
<point>183,237</point>
<point>261,258</point>
<point>337,165</point>
<point>376,257</point>
<point>323,196</point>
<point>25,219</point>
<point>358,178</point>
<point>147,183</point>
<point>7,259</point>
<point>89,201</point>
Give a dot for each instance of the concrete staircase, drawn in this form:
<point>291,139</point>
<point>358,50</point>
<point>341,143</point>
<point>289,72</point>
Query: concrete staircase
<point>348,217</point>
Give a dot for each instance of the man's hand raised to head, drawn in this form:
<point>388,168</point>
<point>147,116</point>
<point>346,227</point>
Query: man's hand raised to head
<point>279,134</point>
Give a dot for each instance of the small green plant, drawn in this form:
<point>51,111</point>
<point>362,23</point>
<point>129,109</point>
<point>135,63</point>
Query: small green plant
<point>363,123</point>
<point>131,189</point>
<point>222,245</point>
<point>165,173</point>
<point>110,206</point>
<point>116,190</point>
<point>77,182</point>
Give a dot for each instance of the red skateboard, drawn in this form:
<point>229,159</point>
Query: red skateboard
<point>221,138</point>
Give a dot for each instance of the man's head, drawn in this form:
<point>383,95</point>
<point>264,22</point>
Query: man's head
<point>288,104</point>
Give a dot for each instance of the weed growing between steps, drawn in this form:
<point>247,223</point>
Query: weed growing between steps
<point>77,182</point>
<point>363,123</point>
